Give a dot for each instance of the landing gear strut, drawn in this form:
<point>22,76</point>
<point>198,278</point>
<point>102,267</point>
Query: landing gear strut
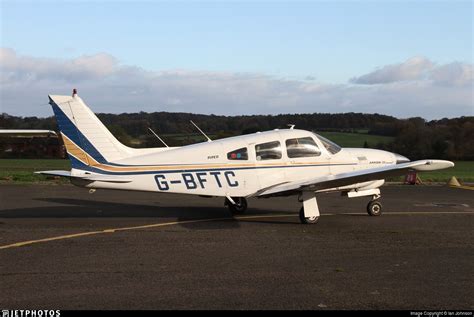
<point>374,207</point>
<point>236,205</point>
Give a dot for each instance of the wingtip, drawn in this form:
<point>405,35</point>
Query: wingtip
<point>432,165</point>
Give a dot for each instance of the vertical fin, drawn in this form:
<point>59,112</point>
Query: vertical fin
<point>83,131</point>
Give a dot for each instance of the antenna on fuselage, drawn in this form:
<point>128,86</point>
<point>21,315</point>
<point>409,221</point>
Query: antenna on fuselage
<point>158,137</point>
<point>194,124</point>
<point>291,126</point>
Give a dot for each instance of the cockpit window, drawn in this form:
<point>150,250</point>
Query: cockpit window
<point>302,147</point>
<point>268,151</point>
<point>239,154</point>
<point>332,147</point>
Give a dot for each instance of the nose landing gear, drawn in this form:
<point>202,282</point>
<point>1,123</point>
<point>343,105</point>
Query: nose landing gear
<point>374,207</point>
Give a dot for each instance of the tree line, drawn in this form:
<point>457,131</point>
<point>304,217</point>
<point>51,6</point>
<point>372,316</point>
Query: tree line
<point>415,138</point>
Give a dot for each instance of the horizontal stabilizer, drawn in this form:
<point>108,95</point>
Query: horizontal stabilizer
<point>87,177</point>
<point>55,173</point>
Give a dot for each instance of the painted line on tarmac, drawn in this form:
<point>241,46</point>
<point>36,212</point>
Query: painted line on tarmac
<point>112,230</point>
<point>463,187</point>
<point>165,224</point>
<point>398,213</point>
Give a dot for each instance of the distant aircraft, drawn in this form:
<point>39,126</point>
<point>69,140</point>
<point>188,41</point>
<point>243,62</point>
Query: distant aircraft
<point>25,133</point>
<point>273,163</point>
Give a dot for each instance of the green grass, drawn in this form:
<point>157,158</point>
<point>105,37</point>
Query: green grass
<point>22,170</point>
<point>355,139</point>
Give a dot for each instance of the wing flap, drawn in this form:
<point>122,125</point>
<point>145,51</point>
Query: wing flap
<point>349,178</point>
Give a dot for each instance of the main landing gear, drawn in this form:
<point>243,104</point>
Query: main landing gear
<point>309,213</point>
<point>307,220</point>
<point>236,205</point>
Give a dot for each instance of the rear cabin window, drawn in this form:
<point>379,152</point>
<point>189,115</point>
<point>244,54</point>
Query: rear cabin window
<point>239,154</point>
<point>268,151</point>
<point>302,147</point>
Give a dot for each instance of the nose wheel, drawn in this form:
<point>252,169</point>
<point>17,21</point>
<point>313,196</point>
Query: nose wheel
<point>374,208</point>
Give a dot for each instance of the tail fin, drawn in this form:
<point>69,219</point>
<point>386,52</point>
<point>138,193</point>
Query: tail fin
<point>88,142</point>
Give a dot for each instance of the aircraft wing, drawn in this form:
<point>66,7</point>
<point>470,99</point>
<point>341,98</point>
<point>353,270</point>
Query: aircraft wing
<point>349,178</point>
<point>91,177</point>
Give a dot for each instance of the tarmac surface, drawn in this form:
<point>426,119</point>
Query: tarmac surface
<point>63,248</point>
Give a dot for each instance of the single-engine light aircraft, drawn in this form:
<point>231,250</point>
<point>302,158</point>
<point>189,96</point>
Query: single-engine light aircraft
<point>263,164</point>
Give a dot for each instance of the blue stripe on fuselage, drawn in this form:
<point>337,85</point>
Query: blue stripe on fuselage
<point>77,164</point>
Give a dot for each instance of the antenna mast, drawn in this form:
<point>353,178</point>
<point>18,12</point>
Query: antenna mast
<point>194,124</point>
<point>158,137</point>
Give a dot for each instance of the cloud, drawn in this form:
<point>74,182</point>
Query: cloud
<point>419,69</point>
<point>418,88</point>
<point>456,74</point>
<point>16,67</point>
<point>412,69</point>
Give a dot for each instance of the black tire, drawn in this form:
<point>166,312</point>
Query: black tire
<point>239,208</point>
<point>307,220</point>
<point>374,208</point>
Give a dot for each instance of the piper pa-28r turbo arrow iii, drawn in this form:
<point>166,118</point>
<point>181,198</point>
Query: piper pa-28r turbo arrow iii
<point>263,164</point>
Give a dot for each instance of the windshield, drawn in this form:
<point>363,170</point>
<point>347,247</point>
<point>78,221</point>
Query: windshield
<point>332,147</point>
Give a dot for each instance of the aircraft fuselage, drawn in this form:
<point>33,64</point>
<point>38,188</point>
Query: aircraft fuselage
<point>223,168</point>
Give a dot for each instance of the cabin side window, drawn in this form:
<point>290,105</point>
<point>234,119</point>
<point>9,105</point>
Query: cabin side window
<point>268,151</point>
<point>332,147</point>
<point>302,147</point>
<point>239,154</point>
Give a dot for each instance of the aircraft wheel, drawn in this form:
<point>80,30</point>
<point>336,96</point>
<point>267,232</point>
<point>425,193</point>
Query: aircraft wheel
<point>239,208</point>
<point>374,208</point>
<point>307,220</point>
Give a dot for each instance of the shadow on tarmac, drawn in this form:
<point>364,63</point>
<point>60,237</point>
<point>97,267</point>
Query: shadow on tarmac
<point>81,208</point>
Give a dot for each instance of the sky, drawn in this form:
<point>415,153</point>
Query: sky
<point>401,58</point>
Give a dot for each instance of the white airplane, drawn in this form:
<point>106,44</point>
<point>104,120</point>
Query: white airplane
<point>273,163</point>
